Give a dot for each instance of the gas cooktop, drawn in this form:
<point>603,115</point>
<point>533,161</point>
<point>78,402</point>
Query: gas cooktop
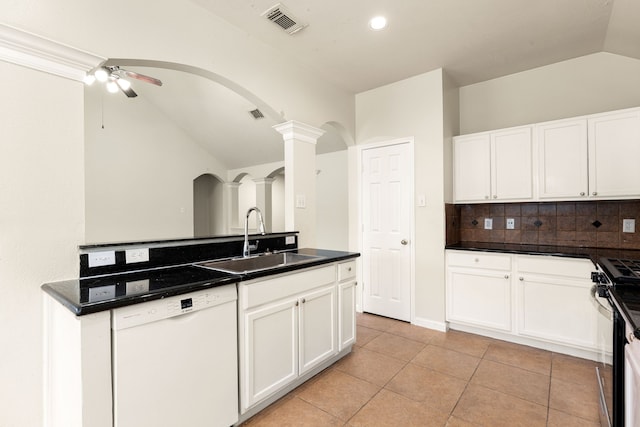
<point>621,270</point>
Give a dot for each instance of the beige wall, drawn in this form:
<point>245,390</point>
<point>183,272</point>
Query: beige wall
<point>414,108</point>
<point>332,201</point>
<point>41,222</point>
<point>585,85</point>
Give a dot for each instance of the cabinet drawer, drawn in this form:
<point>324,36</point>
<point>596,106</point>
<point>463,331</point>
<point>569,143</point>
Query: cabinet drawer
<point>479,260</point>
<point>259,292</point>
<point>555,266</point>
<point>346,270</point>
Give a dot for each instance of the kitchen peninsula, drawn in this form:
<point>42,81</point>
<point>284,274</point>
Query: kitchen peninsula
<point>116,332</point>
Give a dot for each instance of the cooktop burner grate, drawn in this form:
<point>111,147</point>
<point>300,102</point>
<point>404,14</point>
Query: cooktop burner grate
<point>624,269</point>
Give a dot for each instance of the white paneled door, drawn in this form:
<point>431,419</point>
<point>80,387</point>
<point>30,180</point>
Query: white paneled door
<point>387,203</point>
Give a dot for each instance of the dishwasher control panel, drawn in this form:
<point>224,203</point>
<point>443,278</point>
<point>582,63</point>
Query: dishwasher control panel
<point>151,311</point>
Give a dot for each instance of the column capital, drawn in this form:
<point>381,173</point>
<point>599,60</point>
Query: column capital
<point>233,184</point>
<point>264,180</point>
<point>294,130</point>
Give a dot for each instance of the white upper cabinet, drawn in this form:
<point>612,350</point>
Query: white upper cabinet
<point>472,167</point>
<point>511,164</point>
<point>562,159</point>
<point>493,166</point>
<point>614,154</point>
<point>587,157</point>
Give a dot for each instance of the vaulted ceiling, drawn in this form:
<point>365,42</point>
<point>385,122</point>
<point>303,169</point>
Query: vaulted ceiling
<point>474,40</point>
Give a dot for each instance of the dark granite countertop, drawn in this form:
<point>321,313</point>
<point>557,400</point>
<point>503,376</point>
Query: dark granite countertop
<point>94,294</point>
<point>594,254</point>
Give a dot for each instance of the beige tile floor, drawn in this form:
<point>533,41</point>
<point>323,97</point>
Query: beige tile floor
<point>403,375</point>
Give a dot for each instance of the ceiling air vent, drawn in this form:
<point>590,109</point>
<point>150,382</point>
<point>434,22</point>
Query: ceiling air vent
<point>257,114</point>
<point>279,15</point>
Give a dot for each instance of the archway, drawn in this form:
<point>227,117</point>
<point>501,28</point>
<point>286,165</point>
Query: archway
<point>208,206</point>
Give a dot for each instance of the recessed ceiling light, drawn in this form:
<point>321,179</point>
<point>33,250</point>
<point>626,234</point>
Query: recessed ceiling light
<point>378,23</point>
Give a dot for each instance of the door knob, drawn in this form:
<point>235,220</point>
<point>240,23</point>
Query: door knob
<point>403,242</point>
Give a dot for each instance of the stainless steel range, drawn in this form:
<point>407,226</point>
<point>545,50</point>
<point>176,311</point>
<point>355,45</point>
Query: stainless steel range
<point>618,283</point>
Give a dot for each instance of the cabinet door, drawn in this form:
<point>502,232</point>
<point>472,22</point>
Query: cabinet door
<point>318,327</point>
<point>511,164</point>
<point>347,314</point>
<point>557,309</point>
<point>614,150</point>
<point>479,298</point>
<point>472,168</point>
<point>562,160</point>
<point>270,357</point>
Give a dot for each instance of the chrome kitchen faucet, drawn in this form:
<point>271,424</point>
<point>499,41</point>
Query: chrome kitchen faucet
<point>247,248</point>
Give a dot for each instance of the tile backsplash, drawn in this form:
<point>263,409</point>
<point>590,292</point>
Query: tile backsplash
<point>583,224</point>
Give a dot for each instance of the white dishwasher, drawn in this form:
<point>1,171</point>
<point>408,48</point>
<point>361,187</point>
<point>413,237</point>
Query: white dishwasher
<point>175,361</point>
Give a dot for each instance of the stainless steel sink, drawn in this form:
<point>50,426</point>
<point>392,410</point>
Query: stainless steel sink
<point>259,263</point>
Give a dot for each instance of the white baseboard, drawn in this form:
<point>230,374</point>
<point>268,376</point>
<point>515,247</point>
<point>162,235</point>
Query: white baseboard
<point>582,353</point>
<point>430,324</point>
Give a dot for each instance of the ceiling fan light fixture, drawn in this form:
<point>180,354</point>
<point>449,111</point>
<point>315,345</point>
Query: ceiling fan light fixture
<point>112,86</point>
<point>124,84</point>
<point>89,79</point>
<point>101,75</point>
<point>378,23</point>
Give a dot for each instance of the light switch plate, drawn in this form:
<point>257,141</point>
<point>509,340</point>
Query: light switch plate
<point>628,225</point>
<point>422,200</point>
<point>301,201</point>
<point>511,223</point>
<point>488,223</point>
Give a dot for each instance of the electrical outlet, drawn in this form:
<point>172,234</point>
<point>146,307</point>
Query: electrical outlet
<point>511,223</point>
<point>137,287</point>
<point>290,240</point>
<point>628,225</point>
<point>137,255</point>
<point>98,259</point>
<point>301,201</point>
<point>488,223</point>
<point>101,293</point>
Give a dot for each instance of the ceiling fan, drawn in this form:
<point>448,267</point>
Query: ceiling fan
<point>116,78</point>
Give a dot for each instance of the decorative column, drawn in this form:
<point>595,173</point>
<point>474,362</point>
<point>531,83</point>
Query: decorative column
<point>300,179</point>
<point>231,206</point>
<point>264,201</point>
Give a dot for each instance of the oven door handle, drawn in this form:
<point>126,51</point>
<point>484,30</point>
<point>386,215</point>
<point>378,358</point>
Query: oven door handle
<point>604,310</point>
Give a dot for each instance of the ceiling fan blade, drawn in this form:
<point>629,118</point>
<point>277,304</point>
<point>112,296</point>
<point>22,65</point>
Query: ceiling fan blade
<point>142,77</point>
<point>129,92</point>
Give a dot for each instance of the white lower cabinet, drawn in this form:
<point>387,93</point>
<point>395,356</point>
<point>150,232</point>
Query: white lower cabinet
<point>270,355</point>
<point>479,289</point>
<point>289,325</point>
<point>318,321</point>
<point>346,304</point>
<point>479,297</point>
<point>543,301</point>
<point>554,300</point>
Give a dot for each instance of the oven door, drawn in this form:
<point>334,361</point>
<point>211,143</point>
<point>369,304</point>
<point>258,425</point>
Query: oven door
<point>604,369</point>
